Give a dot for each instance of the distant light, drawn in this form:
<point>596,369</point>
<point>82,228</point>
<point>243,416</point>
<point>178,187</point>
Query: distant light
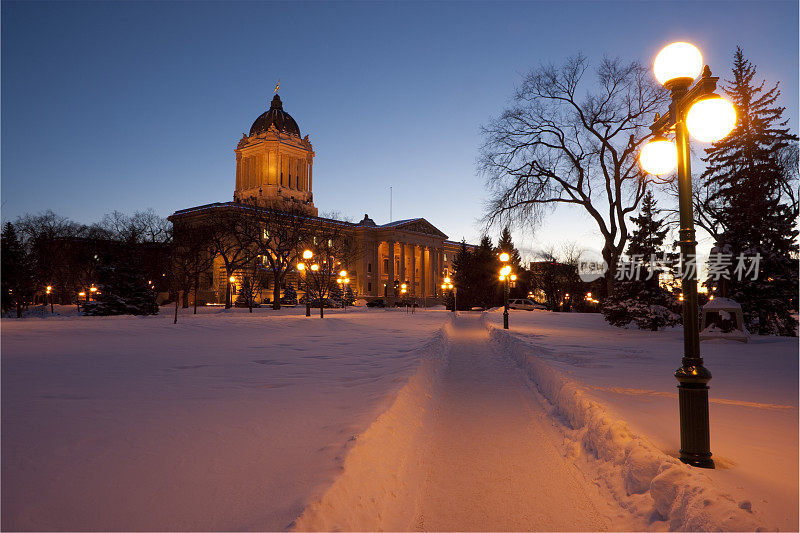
<point>659,157</point>
<point>447,280</point>
<point>347,280</point>
<point>711,118</point>
<point>315,267</point>
<point>343,273</point>
<point>93,289</point>
<point>513,277</point>
<point>678,60</point>
<point>504,257</point>
<point>232,279</point>
<point>301,266</point>
<point>308,254</point>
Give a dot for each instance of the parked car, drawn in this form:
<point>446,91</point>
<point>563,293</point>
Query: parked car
<point>527,305</point>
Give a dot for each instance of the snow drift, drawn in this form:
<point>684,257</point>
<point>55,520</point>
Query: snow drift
<point>643,479</point>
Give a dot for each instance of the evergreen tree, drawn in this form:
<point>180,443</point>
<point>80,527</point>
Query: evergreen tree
<point>246,296</point>
<point>485,270</point>
<point>750,204</point>
<point>461,275</point>
<point>122,290</point>
<point>506,244</point>
<point>639,298</point>
<point>17,267</point>
<point>350,296</point>
<point>289,295</point>
<point>336,293</point>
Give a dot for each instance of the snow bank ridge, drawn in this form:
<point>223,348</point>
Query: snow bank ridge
<point>644,480</point>
<point>378,488</point>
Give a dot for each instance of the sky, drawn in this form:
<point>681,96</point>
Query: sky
<point>134,105</point>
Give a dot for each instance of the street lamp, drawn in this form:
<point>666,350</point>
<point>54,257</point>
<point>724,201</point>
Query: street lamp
<point>505,275</point>
<point>448,285</point>
<point>50,294</point>
<point>343,281</point>
<point>307,254</point>
<point>695,110</point>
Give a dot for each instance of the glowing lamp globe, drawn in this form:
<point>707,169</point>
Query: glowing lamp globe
<point>676,61</point>
<point>505,271</point>
<point>308,254</point>
<point>504,257</point>
<point>659,157</point>
<point>711,119</point>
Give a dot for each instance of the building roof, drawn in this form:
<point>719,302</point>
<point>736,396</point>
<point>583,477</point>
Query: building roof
<point>416,225</point>
<point>275,116</point>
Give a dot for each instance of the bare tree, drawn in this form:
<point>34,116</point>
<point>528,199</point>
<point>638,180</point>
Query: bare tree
<point>569,141</point>
<point>192,256</point>
<point>333,249</point>
<point>229,239</point>
<point>278,237</point>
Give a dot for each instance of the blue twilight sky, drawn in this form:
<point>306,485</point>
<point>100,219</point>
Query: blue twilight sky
<point>130,105</point>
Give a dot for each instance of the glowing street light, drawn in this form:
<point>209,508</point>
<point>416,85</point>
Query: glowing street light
<point>49,290</point>
<point>678,63</point>
<point>302,267</point>
<point>505,275</point>
<point>659,156</point>
<point>448,285</point>
<point>698,111</point>
<point>711,118</point>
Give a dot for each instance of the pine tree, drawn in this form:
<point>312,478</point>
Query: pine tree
<point>17,268</point>
<point>746,206</point>
<point>461,275</point>
<point>122,290</point>
<point>289,295</point>
<point>642,300</point>
<point>506,244</point>
<point>349,295</point>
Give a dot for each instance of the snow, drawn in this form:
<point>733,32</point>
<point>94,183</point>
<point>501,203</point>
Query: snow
<point>378,419</point>
<point>225,421</point>
<point>616,392</point>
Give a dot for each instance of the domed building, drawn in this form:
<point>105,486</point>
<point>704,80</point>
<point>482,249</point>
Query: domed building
<point>274,174</point>
<point>274,164</point>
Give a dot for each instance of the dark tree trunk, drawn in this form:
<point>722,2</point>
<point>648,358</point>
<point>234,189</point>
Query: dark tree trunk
<point>276,291</point>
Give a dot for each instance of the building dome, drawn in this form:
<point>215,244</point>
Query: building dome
<point>277,117</point>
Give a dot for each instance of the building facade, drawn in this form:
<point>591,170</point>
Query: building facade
<point>274,170</point>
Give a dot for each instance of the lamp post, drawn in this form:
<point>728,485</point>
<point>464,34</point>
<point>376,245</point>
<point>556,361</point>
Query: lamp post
<point>505,274</point>
<point>448,285</point>
<point>695,110</point>
<point>49,290</point>
<point>307,254</point>
<point>343,282</point>
<point>228,298</point>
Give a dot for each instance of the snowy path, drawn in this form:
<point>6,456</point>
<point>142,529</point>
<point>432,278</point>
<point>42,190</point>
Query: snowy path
<point>492,461</point>
<point>467,446</point>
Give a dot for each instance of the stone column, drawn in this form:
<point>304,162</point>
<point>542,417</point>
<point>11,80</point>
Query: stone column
<point>390,280</point>
<point>402,263</point>
<point>422,276</point>
<point>413,270</point>
<point>363,275</point>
